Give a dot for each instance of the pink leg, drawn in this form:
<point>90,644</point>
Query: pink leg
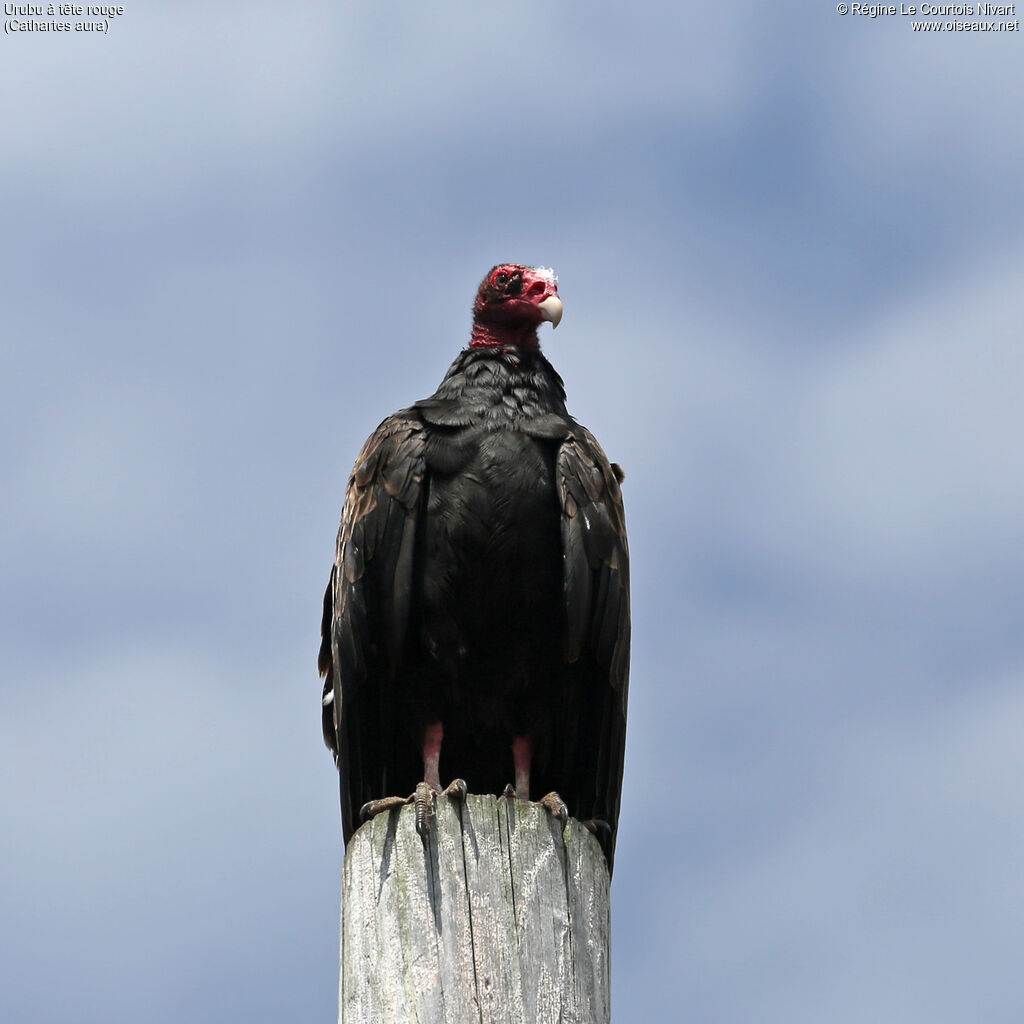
<point>426,791</point>
<point>432,736</point>
<point>522,754</point>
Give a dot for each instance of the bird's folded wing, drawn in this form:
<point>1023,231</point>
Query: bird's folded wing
<point>368,597</point>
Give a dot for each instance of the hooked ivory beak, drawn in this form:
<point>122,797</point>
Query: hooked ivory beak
<point>551,309</point>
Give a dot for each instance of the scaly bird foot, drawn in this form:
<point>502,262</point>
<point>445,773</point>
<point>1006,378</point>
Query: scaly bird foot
<point>425,799</point>
<point>422,799</point>
<point>556,805</point>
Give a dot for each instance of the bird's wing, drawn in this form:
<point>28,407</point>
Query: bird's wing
<point>366,607</point>
<point>596,576</point>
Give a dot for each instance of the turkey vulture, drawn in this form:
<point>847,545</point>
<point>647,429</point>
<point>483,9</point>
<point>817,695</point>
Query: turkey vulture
<point>476,623</point>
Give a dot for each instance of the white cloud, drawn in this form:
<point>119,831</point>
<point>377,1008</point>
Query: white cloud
<point>177,96</point>
<point>919,109</point>
<point>900,456</point>
<point>875,905</point>
<point>168,816</point>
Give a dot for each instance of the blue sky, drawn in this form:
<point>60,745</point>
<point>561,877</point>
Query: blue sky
<point>790,249</point>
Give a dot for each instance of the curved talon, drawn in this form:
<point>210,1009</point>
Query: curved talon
<point>556,805</point>
<point>388,803</point>
<point>458,789</point>
<point>510,791</point>
<point>595,825</point>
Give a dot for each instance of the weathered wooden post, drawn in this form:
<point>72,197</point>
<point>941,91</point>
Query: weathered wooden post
<point>498,917</point>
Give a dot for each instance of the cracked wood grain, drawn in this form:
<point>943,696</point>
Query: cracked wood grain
<point>499,918</point>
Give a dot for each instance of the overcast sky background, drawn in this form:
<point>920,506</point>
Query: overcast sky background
<point>790,248</point>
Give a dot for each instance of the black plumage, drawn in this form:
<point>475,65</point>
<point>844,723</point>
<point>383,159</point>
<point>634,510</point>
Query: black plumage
<point>481,581</point>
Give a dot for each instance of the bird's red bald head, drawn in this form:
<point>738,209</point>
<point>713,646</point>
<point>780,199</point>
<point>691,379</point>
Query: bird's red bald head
<point>512,302</point>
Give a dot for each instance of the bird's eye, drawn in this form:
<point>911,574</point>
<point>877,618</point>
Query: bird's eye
<point>501,279</point>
